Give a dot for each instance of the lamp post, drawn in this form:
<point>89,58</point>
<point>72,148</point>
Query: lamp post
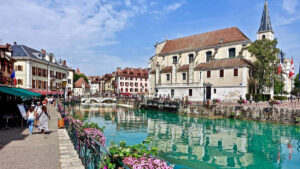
<point>64,84</point>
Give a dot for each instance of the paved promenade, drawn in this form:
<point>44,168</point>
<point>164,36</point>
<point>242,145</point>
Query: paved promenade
<point>19,150</point>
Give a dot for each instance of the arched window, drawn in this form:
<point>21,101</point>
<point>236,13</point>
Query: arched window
<point>264,37</point>
<point>191,58</point>
<point>208,56</point>
<point>174,59</point>
<point>231,52</point>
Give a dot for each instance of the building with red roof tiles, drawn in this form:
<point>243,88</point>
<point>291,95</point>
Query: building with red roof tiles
<point>211,65</point>
<point>81,87</point>
<point>107,84</point>
<point>6,65</point>
<point>132,81</point>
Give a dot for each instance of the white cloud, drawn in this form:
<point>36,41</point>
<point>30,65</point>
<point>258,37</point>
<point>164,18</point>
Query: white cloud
<point>290,5</point>
<point>169,8</point>
<point>72,29</point>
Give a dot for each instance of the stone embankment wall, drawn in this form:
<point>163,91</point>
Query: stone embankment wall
<point>272,114</point>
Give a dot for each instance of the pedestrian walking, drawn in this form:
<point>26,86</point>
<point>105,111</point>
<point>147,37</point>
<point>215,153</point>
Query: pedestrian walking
<point>38,110</point>
<point>251,98</point>
<point>31,114</point>
<point>43,122</point>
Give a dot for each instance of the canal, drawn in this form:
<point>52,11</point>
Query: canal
<point>191,142</point>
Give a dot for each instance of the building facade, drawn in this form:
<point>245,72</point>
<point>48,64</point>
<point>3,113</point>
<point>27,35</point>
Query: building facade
<point>81,87</point>
<point>6,64</point>
<point>132,81</point>
<point>70,83</point>
<point>94,82</point>
<point>107,84</point>
<point>212,65</point>
<point>37,69</point>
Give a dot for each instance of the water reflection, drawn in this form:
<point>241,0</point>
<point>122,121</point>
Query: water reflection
<point>192,142</point>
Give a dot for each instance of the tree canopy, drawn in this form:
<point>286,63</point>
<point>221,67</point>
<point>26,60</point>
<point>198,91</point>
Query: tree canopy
<point>78,76</point>
<point>266,64</point>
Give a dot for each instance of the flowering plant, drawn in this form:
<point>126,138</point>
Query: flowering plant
<point>242,101</point>
<point>136,156</point>
<point>216,101</point>
<point>93,133</point>
<point>145,162</point>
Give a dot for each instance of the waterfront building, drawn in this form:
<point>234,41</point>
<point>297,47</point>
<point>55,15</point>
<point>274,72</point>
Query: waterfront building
<point>81,87</point>
<point>38,70</point>
<point>70,82</point>
<point>132,81</point>
<point>212,65</point>
<point>94,82</point>
<point>107,84</point>
<point>6,64</point>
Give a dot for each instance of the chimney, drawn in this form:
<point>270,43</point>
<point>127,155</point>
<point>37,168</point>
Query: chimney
<point>15,43</point>
<point>43,51</point>
<point>64,63</point>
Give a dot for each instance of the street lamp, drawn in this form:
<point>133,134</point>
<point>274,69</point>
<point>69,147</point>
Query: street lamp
<point>64,84</point>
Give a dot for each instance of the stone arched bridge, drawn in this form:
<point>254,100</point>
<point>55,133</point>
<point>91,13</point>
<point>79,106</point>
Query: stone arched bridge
<point>99,100</point>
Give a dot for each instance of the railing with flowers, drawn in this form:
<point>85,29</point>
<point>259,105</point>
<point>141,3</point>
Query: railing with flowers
<point>89,141</point>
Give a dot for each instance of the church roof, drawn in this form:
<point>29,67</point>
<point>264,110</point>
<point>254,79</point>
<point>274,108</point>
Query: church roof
<point>204,40</point>
<point>265,23</point>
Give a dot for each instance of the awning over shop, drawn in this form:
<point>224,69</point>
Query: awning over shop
<point>22,93</point>
<point>45,92</point>
<point>126,94</point>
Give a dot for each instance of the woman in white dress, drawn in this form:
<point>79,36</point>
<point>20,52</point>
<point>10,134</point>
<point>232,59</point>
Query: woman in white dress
<point>43,120</point>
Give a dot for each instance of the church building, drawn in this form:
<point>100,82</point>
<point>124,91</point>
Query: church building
<point>211,65</point>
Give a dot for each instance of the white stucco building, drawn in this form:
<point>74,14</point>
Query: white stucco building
<point>132,81</point>
<point>38,70</point>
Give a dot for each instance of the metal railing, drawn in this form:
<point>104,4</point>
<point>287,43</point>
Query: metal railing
<point>89,150</point>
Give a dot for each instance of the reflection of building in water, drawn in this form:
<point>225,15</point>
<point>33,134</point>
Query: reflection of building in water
<point>199,142</point>
<point>130,119</point>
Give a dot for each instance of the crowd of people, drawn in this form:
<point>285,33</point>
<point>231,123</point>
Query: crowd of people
<point>37,115</point>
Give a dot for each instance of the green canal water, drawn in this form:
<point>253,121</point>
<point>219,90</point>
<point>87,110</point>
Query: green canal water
<point>190,142</point>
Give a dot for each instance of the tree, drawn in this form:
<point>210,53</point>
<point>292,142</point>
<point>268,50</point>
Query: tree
<point>297,82</point>
<point>278,87</point>
<point>266,64</point>
<point>78,76</point>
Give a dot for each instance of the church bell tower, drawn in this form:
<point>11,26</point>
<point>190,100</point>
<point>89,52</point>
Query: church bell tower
<point>265,30</point>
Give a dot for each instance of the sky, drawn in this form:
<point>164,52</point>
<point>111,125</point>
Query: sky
<point>98,36</point>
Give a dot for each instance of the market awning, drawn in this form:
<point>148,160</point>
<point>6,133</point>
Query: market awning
<point>27,92</point>
<point>17,92</point>
<point>45,92</point>
<point>126,94</point>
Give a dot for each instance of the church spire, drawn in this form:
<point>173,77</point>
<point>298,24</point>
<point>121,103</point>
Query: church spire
<point>265,24</point>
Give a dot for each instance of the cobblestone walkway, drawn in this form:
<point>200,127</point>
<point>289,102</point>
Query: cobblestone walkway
<point>54,150</point>
<point>18,150</point>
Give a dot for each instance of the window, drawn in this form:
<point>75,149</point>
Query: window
<point>215,91</point>
<point>200,75</point>
<point>183,76</point>
<point>136,90</point>
<point>131,89</point>
<point>191,58</point>
<point>121,89</point>
<point>20,82</point>
<point>264,37</point>
<point>221,73</point>
<point>45,85</point>
<point>208,56</point>
<point>33,84</point>
<point>208,74</point>
<point>136,84</point>
<point>126,89</point>
<point>40,84</point>
<point>168,77</point>
<point>236,72</point>
<point>146,90</point>
<point>231,52</point>
<point>131,84</point>
<point>174,59</point>
<point>131,78</point>
<point>141,90</point>
<point>146,84</point>
<point>126,84</point>
<point>20,68</point>
<point>121,84</point>
<point>69,81</point>
<point>172,92</point>
<point>33,71</point>
<point>190,92</point>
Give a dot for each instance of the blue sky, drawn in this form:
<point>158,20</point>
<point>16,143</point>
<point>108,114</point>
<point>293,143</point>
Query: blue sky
<point>99,35</point>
